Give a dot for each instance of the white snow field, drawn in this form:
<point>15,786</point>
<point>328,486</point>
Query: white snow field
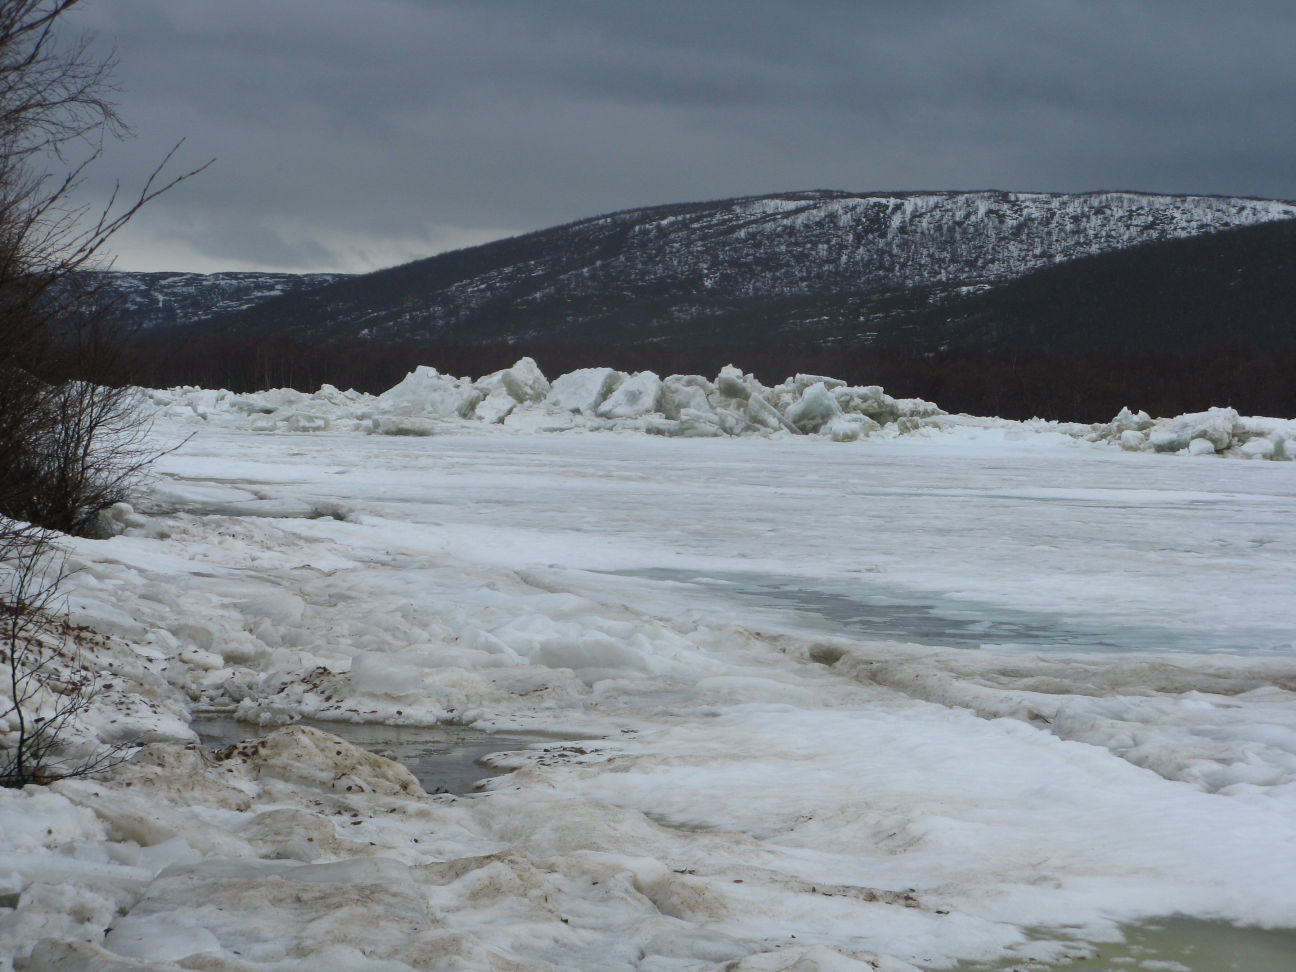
<point>910,691</point>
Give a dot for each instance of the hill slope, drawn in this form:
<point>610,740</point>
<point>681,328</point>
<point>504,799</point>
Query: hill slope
<point>814,266</point>
<point>152,300</point>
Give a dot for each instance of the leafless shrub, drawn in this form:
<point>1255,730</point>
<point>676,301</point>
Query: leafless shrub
<point>47,681</point>
<point>71,438</point>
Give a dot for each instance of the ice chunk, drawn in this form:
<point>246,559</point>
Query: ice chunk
<point>427,392</point>
<point>867,400</point>
<point>584,389</point>
<point>635,397</point>
<point>1216,425</point>
<point>377,674</point>
<point>1126,420</point>
<point>119,518</point>
<point>691,423</point>
<point>1258,448</point>
<point>402,425</point>
<point>490,384</point>
<point>815,409</point>
<point>766,416</point>
<point>524,382</point>
<point>250,404</point>
<point>277,398</point>
<point>685,391</point>
<point>885,409</point>
<point>281,608</point>
<point>842,430</point>
<point>541,418</point>
<point>1132,440</point>
<point>309,756</point>
<point>204,401</point>
<point>804,382</point>
<point>592,651</point>
<point>305,422</point>
<point>158,938</point>
<point>917,408</point>
<point>1201,447</point>
<point>732,383</point>
<point>41,818</point>
<point>496,407</point>
<point>697,424</point>
<point>331,395</point>
<point>731,422</point>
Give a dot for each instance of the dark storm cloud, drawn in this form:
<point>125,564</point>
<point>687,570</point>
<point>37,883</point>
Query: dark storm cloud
<point>350,134</point>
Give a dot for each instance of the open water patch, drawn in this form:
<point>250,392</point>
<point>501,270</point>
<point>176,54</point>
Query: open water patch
<point>444,759</point>
<point>1175,944</point>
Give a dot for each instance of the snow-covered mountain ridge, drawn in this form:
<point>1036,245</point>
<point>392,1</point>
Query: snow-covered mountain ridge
<point>930,238</point>
<point>826,265</point>
<point>822,265</point>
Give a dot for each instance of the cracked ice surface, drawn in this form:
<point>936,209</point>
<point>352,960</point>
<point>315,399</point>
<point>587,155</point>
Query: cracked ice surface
<point>980,695</point>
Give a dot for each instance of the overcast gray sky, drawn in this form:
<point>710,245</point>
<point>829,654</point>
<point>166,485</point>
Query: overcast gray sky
<point>354,134</point>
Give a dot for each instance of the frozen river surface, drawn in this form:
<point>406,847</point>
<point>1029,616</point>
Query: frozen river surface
<point>978,697</point>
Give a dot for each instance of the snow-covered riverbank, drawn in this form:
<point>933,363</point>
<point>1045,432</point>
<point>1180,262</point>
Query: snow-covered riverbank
<point>958,690</point>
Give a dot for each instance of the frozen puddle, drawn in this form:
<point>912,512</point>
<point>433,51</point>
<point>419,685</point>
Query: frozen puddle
<point>1178,945</point>
<point>444,759</point>
<point>862,609</point>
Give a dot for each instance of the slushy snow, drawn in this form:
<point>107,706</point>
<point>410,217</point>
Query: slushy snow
<point>829,680</point>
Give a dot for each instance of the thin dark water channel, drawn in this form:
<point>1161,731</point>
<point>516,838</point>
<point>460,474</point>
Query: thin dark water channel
<point>860,608</point>
<point>444,759</point>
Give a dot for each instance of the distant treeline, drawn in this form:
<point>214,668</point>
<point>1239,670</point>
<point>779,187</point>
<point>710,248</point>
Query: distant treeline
<point>1235,288</point>
<point>1080,386</point>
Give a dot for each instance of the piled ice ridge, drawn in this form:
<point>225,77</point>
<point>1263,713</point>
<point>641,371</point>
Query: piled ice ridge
<point>1214,431</point>
<point>521,399</point>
